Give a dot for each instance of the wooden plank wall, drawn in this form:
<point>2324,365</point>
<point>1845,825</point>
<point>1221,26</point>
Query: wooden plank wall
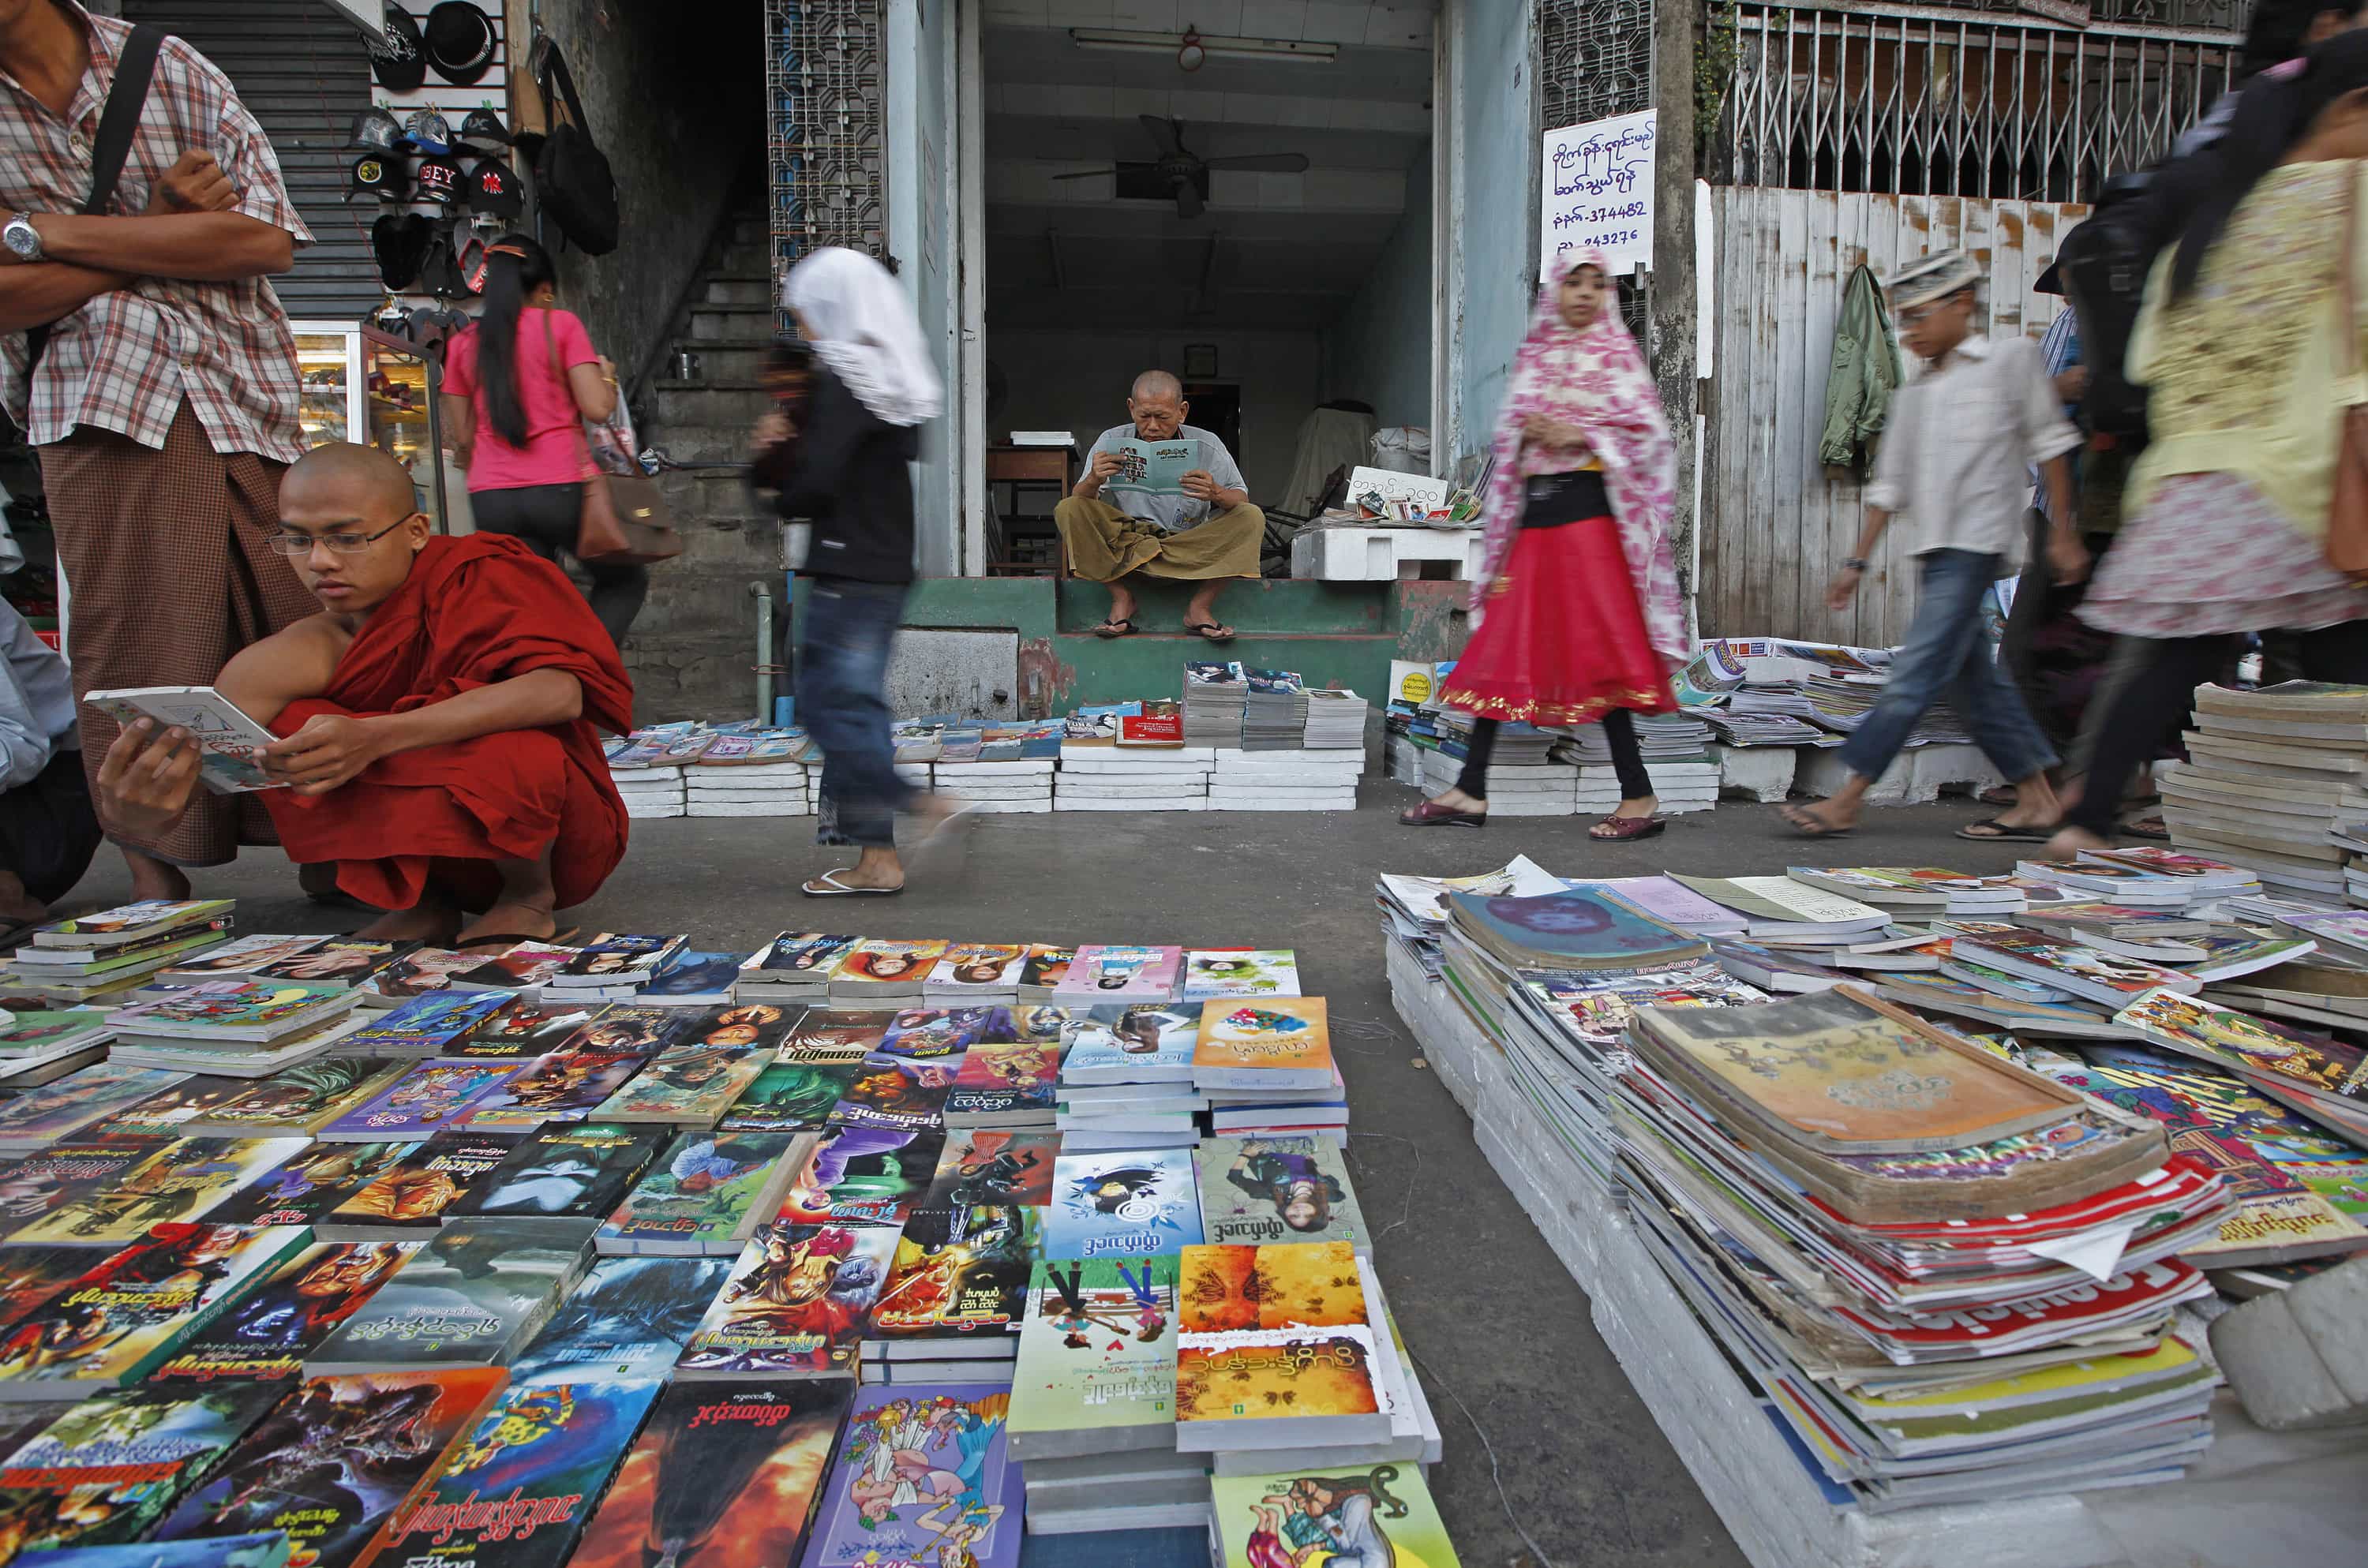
<point>1775,523</point>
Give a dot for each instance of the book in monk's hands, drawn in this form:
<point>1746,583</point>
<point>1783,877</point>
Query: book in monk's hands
<point>230,743</point>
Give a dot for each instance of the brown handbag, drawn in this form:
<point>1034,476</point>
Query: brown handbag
<point>2347,511</point>
<point>624,520</point>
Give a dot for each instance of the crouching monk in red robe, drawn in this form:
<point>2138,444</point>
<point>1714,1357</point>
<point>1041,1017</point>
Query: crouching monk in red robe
<point>439,716</point>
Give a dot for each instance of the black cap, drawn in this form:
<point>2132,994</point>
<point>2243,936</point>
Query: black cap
<point>439,180</point>
<point>381,175</point>
<point>460,41</point>
<point>399,61</point>
<point>376,129</point>
<point>483,127</point>
<point>400,242</point>
<point>439,272</point>
<point>494,188</point>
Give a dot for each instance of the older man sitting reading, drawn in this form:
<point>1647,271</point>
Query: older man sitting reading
<point>440,715</point>
<point>1137,508</point>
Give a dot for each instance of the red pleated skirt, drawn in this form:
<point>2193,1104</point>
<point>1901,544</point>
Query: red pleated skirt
<point>1562,641</point>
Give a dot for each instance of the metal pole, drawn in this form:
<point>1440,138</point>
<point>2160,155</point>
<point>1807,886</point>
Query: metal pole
<point>762,592</point>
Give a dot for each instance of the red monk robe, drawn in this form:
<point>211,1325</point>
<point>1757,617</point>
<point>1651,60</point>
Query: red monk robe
<point>473,611</point>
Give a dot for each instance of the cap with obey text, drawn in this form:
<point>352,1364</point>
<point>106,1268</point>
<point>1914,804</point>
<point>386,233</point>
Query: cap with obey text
<point>439,180</point>
<point>494,188</point>
<point>381,174</point>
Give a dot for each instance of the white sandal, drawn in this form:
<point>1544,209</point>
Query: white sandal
<point>833,888</point>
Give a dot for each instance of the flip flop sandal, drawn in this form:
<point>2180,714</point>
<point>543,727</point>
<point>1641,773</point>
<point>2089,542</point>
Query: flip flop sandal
<point>1998,795</point>
<point>2148,826</point>
<point>1431,814</point>
<point>1210,630</point>
<point>831,887</point>
<point>1810,827</point>
<point>2003,833</point>
<point>1627,827</point>
<point>1115,629</point>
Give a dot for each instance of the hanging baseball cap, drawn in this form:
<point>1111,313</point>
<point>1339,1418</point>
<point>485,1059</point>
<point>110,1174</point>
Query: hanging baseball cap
<point>494,188</point>
<point>383,174</point>
<point>399,57</point>
<point>459,41</point>
<point>428,131</point>
<point>440,271</point>
<point>484,129</point>
<point>399,240</point>
<point>377,130</point>
<point>439,180</point>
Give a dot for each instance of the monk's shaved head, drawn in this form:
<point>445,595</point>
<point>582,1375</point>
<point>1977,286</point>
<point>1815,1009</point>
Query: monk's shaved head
<point>363,479</point>
<point>1156,383</point>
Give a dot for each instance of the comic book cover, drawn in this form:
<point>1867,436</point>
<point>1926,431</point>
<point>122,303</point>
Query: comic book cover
<point>1026,1023</point>
<point>230,1008</point>
<point>128,922</point>
<point>796,1304</point>
<point>693,977</point>
<point>333,1461</point>
<point>743,1025</point>
<point>472,1295</point>
<point>123,1317</point>
<point>75,1102</point>
<point>1006,1083</point>
<point>790,1097</point>
<point>632,1027</point>
<point>1277,1042</point>
<point>423,972</point>
<point>184,1180</point>
<point>1095,1369</point>
<point>429,1098</point>
<point>35,1185</point>
<point>566,1085</point>
<point>798,953</point>
<point>581,1171</point>
<point>31,1275</point>
<point>1376,1513</point>
<point>1111,972</point>
<point>627,1319</point>
<point>1214,974</point>
<point>521,968</point>
<point>1142,1203</point>
<point>519,1488</point>
<point>880,964</point>
<point>1130,1043</point>
<point>266,1549</point>
<point>690,1084</point>
<point>922,1476</point>
<point>993,1166</point>
<point>615,958</point>
<point>51,1029</point>
<point>105,1472</point>
<point>270,1330</point>
<point>305,1187</point>
<point>830,1034</point>
<point>348,961</point>
<point>171,1109</point>
<point>525,1030</point>
<point>428,1025</point>
<point>991,968</point>
<point>1294,1318</point>
<point>1254,1191</point>
<point>898,1093</point>
<point>957,1274</point>
<point>240,956</point>
<point>705,1194</point>
<point>934,1034</point>
<point>419,1191</point>
<point>862,1176</point>
<point>1045,968</point>
<point>724,1475</point>
<point>297,1100</point>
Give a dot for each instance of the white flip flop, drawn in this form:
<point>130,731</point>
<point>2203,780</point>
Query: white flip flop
<point>833,888</point>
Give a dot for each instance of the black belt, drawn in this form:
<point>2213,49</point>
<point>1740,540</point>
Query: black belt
<point>1552,500</point>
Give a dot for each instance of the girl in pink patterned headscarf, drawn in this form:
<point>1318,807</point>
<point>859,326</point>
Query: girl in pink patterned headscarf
<point>1582,621</point>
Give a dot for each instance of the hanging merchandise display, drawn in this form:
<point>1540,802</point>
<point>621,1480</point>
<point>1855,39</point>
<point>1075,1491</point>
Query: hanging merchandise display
<point>459,41</point>
<point>399,240</point>
<point>376,130</point>
<point>428,131</point>
<point>381,175</point>
<point>483,131</point>
<point>494,190</point>
<point>439,180</point>
<point>571,174</point>
<point>399,61</point>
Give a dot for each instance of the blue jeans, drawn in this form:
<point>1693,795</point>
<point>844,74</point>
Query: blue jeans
<point>842,702</point>
<point>1949,653</point>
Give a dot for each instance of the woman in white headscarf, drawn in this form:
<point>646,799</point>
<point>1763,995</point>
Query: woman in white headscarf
<point>841,461</point>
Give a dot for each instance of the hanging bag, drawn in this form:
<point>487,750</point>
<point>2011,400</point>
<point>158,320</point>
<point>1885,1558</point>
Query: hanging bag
<point>623,519</point>
<point>572,177</point>
<point>126,95</point>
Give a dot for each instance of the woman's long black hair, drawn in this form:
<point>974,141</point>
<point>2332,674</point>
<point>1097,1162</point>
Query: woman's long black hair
<point>515,267</point>
<point>2275,112</point>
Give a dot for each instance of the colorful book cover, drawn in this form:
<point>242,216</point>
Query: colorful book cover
<point>837,1034</point>
<point>863,1176</point>
<point>2319,1063</point>
<point>171,1109</point>
<point>227,1008</point>
<point>690,975</point>
<point>1025,1023</point>
<point>267,1549</point>
<point>615,956</point>
<point>1293,1317</point>
<point>429,1097</point>
<point>184,1180</point>
<point>1046,968</point>
<point>1013,1081</point>
<point>1597,1011</point>
<point>331,1463</point>
<point>581,1171</point>
<point>1254,1191</point>
<point>31,1275</point>
<point>271,1329</point>
<point>790,1097</point>
<point>471,1294</point>
<point>421,1190</point>
<point>2069,965</point>
<point>347,961</point>
<point>699,1192</point>
<point>1572,928</point>
<point>245,955</point>
<point>886,965</point>
<point>123,1317</point>
<point>989,1166</point>
<point>978,966</point>
<point>793,955</point>
<point>128,921</point>
<point>79,1100</point>
<point>1379,1513</point>
<point>745,1026</point>
<point>922,1476</point>
<point>958,1273</point>
<point>687,1086</point>
<point>524,1031</point>
<point>1130,1043</point>
<point>1097,1352</point>
<point>303,1098</point>
<point>518,1490</point>
<point>1216,973</point>
<point>304,1187</point>
<point>65,1175</point>
<point>627,1320</point>
<point>637,1027</point>
<point>721,1476</point>
<point>797,1303</point>
<point>428,1026</point>
<point>423,972</point>
<point>897,1094</point>
<point>566,1085</point>
<point>28,1033</point>
<point>108,1469</point>
<point>526,967</point>
<point>1140,1203</point>
<point>1280,1042</point>
<point>931,1034</point>
<point>1108,972</point>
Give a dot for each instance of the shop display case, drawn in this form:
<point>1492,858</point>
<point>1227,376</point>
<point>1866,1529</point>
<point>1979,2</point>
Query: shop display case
<point>363,385</point>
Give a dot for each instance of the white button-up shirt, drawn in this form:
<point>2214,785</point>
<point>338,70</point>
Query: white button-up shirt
<point>1955,465</point>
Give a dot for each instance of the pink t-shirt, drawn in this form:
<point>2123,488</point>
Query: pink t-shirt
<point>554,452</point>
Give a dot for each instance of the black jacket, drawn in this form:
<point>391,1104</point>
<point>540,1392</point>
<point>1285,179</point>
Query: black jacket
<point>846,473</point>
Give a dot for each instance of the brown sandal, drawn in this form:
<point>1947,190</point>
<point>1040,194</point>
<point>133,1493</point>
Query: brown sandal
<point>1431,814</point>
<point>1627,827</point>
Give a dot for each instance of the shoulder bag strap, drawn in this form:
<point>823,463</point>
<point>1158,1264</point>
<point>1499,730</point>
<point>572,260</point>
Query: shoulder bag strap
<point>556,75</point>
<point>118,122</point>
<point>2348,266</point>
<point>567,390</point>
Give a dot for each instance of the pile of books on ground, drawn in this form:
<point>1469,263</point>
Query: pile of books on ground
<point>1274,711</point>
<point>2275,777</point>
<point>1099,774</point>
<point>961,1240</point>
<point>1215,695</point>
<point>1773,691</point>
<point>1318,779</point>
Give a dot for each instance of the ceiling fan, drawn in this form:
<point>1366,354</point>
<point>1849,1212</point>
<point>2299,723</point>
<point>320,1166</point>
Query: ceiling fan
<point>1181,168</point>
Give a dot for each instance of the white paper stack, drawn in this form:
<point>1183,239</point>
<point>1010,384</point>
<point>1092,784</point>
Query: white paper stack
<point>1214,692</point>
<point>1103,778</point>
<point>1514,789</point>
<point>1680,786</point>
<point>1021,786</point>
<point>1336,719</point>
<point>1674,737</point>
<point>1274,714</point>
<point>652,791</point>
<point>754,789</point>
<point>1285,780</point>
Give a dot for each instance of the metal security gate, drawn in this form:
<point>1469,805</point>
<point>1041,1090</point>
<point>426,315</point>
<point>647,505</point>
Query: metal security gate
<point>826,131</point>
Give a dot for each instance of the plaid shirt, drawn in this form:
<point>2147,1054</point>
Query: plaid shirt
<point>126,360</point>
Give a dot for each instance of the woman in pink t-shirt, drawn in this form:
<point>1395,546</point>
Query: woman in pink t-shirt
<point>517,387</point>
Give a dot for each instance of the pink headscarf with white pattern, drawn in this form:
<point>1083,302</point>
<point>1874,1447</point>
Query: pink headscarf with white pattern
<point>1594,378</point>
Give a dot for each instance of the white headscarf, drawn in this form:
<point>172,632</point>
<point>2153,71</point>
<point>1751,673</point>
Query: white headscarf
<point>860,324</point>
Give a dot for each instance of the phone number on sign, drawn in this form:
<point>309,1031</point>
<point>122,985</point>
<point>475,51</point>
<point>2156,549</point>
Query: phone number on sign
<point>1611,239</point>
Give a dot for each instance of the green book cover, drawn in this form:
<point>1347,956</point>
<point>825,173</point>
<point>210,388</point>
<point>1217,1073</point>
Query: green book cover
<point>1098,1348</point>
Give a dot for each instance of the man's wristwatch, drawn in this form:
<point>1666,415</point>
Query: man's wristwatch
<point>23,240</point>
<point>1854,564</point>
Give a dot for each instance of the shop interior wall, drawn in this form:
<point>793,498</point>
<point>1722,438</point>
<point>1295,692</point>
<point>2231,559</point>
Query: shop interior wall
<point>1378,350</point>
<point>1498,140</point>
<point>1077,380</point>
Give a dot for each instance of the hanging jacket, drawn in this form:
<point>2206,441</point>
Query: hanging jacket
<point>1862,376</point>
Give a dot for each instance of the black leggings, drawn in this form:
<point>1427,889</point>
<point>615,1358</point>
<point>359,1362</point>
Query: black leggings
<point>543,519</point>
<point>1619,728</point>
<point>2152,709</point>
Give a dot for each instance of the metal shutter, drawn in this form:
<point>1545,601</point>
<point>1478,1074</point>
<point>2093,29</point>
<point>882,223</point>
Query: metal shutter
<point>303,71</point>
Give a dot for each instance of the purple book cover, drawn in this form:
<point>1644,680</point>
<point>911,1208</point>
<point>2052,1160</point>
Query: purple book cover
<point>1670,901</point>
<point>1110,974</point>
<point>426,1023</point>
<point>921,1469</point>
<point>1577,927</point>
<point>430,1097</point>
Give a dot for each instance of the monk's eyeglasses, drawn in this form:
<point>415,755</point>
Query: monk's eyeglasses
<point>343,543</point>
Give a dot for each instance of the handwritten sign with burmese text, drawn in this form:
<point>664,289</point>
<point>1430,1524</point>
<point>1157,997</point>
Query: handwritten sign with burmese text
<point>1599,192</point>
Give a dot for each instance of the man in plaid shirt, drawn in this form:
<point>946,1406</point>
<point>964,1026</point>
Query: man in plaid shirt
<point>165,405</point>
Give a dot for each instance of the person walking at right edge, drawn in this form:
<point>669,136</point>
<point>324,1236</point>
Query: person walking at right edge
<point>1956,462</point>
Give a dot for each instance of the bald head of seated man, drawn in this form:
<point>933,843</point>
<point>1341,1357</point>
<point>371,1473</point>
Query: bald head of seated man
<point>1161,498</point>
<point>439,719</point>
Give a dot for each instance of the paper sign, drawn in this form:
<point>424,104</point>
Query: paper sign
<point>1599,190</point>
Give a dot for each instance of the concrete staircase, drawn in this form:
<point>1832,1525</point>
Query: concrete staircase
<point>692,651</point>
